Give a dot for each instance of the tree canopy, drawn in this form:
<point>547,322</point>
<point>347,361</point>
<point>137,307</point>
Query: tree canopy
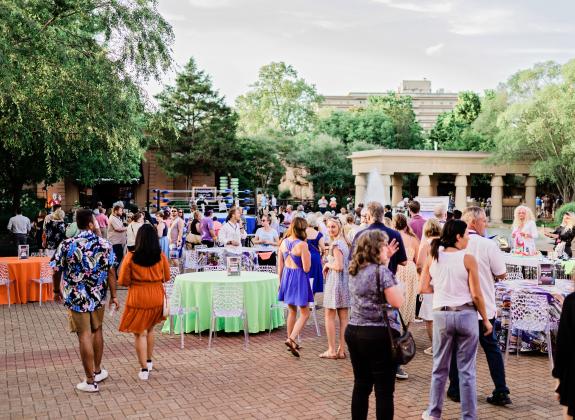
<point>70,104</point>
<point>278,101</point>
<point>193,128</point>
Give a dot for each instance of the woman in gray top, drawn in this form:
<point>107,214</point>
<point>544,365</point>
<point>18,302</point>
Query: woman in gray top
<point>366,335</point>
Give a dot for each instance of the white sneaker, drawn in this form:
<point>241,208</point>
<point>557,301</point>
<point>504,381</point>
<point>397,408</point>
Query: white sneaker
<point>401,374</point>
<point>150,366</point>
<point>86,387</point>
<point>143,375</point>
<point>99,377</point>
<point>425,416</point>
<point>428,351</point>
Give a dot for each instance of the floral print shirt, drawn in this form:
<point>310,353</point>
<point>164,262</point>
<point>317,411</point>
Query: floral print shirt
<point>55,233</point>
<point>84,261</point>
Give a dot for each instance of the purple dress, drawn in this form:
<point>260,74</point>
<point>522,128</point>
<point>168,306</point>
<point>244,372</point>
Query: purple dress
<point>315,272</point>
<point>294,287</point>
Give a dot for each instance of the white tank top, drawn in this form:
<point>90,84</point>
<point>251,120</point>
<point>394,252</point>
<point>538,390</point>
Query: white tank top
<point>450,280</point>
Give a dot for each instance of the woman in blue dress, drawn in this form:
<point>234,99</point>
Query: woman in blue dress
<point>293,267</point>
<point>316,243</point>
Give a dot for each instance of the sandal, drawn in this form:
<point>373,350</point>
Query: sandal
<point>326,355</point>
<point>292,346</point>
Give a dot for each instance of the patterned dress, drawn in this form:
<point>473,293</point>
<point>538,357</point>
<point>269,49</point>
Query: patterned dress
<point>336,293</point>
<point>407,275</point>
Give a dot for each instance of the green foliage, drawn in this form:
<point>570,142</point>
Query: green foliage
<point>560,212</point>
<point>69,103</point>
<point>540,126</point>
<point>387,121</point>
<point>468,107</point>
<point>279,101</point>
<point>326,160</point>
<point>407,131</point>
<point>258,162</point>
<point>193,128</point>
<point>284,195</point>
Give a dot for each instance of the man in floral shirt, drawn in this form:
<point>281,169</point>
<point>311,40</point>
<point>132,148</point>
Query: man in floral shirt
<point>86,263</point>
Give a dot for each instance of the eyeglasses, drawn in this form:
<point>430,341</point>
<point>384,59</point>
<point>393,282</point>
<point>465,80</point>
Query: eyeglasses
<point>174,211</point>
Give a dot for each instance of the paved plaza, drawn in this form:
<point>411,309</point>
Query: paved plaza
<point>40,366</point>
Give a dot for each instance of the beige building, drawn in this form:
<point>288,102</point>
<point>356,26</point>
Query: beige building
<point>392,164</point>
<point>427,105</point>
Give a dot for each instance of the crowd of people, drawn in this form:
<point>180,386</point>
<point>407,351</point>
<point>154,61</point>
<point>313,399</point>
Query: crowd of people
<point>371,268</point>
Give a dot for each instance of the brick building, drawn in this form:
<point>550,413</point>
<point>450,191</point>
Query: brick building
<point>140,190</point>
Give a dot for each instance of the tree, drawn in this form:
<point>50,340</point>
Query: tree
<point>468,107</point>
<point>407,131</point>
<point>279,101</point>
<point>194,128</point>
<point>326,160</point>
<point>69,101</point>
<point>258,162</point>
<point>539,127</point>
<point>367,125</point>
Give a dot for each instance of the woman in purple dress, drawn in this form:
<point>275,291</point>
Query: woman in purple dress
<point>316,243</point>
<point>293,266</point>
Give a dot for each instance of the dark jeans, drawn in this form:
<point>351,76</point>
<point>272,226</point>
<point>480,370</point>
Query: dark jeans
<point>21,238</point>
<point>494,361</point>
<point>209,244</point>
<point>119,252</point>
<point>373,368</point>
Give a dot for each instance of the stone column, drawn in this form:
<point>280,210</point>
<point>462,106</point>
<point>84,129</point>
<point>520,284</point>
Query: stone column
<point>434,183</point>
<point>396,189</point>
<point>460,191</point>
<point>386,181</point>
<point>360,186</point>
<point>497,199</point>
<point>424,184</point>
<point>530,192</point>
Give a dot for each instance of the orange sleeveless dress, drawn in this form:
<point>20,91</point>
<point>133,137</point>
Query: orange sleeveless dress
<point>145,302</point>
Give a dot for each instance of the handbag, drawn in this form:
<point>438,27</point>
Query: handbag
<point>402,346</point>
<point>193,239</point>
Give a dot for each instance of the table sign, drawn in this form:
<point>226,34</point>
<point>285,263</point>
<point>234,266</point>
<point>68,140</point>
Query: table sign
<point>234,265</point>
<point>23,252</point>
<point>546,276</point>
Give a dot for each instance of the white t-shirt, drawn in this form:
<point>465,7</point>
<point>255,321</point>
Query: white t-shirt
<point>262,235</point>
<point>450,279</point>
<point>490,262</point>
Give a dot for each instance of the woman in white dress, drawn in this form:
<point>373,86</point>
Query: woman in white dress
<point>431,231</point>
<point>524,231</point>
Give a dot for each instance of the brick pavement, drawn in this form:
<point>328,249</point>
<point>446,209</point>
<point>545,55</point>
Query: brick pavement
<point>40,366</point>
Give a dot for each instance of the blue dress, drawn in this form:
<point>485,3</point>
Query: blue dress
<point>316,272</point>
<point>294,287</point>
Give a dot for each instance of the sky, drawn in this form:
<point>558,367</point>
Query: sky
<point>344,46</point>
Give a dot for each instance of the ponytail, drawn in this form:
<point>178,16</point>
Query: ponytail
<point>434,251</point>
<point>448,238</point>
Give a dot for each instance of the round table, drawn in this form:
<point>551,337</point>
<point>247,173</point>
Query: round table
<point>530,340</point>
<point>260,292</point>
<point>23,289</point>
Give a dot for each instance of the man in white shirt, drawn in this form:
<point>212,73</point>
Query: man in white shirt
<point>232,232</point>
<point>490,264</point>
<point>20,226</point>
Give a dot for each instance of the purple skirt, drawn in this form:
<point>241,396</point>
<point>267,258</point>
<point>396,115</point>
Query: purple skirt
<point>295,288</point>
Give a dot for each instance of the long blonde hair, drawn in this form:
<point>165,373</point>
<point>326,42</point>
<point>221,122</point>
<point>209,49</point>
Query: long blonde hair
<point>528,216</point>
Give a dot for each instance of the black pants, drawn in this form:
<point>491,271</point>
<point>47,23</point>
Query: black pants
<point>210,244</point>
<point>494,361</point>
<point>373,368</point>
<point>119,252</point>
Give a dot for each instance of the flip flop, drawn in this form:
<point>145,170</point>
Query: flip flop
<point>326,355</point>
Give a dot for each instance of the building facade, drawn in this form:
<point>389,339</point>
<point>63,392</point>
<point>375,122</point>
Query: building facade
<point>427,105</point>
<point>69,193</point>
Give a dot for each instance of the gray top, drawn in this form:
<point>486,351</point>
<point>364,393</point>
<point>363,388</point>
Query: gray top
<point>366,305</point>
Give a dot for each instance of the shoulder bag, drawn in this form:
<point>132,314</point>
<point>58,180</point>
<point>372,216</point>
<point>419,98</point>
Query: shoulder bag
<point>402,346</point>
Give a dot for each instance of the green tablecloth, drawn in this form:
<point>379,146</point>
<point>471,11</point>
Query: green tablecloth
<point>260,291</point>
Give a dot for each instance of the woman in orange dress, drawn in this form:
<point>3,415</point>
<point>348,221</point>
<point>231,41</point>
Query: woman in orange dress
<point>143,272</point>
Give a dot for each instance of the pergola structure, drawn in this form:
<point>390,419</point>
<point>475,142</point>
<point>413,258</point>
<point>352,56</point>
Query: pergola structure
<point>392,163</point>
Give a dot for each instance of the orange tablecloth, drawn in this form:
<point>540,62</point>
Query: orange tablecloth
<point>23,289</point>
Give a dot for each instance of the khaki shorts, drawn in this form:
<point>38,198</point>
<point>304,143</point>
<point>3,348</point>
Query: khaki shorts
<point>81,322</point>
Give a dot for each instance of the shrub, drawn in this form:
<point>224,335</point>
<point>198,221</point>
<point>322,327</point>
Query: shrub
<point>567,207</point>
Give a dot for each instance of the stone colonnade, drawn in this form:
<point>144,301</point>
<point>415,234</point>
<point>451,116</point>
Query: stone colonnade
<point>391,164</point>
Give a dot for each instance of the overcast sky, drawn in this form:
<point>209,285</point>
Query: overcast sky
<point>369,45</point>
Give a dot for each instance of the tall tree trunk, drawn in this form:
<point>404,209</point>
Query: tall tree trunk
<point>16,194</point>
